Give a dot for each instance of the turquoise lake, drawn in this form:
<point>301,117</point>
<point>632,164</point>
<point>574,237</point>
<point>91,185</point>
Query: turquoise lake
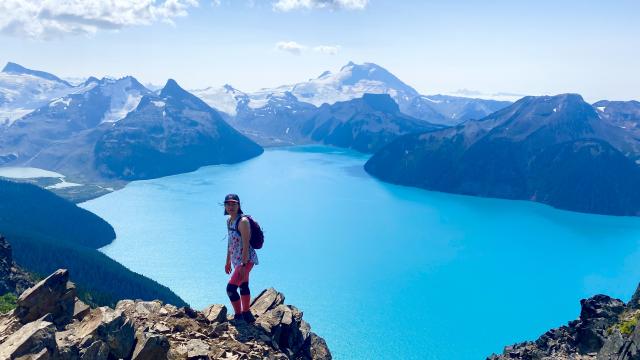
<point>380,271</point>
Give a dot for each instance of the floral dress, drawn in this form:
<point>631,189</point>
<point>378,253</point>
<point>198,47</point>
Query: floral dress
<point>235,246</point>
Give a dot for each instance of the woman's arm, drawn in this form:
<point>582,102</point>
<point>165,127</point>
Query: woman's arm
<point>245,232</point>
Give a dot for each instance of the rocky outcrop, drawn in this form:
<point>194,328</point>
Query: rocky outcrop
<point>12,278</point>
<point>55,296</point>
<point>51,323</point>
<point>606,330</point>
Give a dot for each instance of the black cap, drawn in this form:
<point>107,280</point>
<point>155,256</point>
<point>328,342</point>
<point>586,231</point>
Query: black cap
<point>232,198</point>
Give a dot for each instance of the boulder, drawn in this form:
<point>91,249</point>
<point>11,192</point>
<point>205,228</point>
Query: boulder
<point>8,325</point>
<point>197,349</point>
<point>54,295</point>
<point>598,314</point>
<point>318,348</point>
<point>107,325</point>
<point>80,309</point>
<point>31,339</point>
<point>265,301</point>
<point>215,313</point>
<point>98,350</point>
<point>150,347</point>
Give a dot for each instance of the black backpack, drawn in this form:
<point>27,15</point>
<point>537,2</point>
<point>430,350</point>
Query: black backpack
<point>257,236</point>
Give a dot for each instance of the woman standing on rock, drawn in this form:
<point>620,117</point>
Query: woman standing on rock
<point>241,255</point>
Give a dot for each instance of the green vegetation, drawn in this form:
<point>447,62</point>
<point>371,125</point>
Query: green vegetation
<point>7,302</point>
<point>47,233</point>
<point>627,326</point>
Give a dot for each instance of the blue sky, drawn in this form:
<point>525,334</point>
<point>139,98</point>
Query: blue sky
<point>525,47</point>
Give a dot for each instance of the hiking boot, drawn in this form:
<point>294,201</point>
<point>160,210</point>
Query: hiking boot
<point>248,317</point>
<point>238,317</point>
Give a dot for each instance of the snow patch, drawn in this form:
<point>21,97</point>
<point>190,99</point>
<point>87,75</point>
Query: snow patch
<point>65,100</point>
<point>124,99</point>
<point>224,98</point>
<point>601,108</point>
<point>62,184</point>
<point>158,103</point>
<point>18,172</point>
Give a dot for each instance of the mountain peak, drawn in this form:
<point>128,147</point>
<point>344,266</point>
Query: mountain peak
<point>91,79</point>
<point>229,88</point>
<point>171,88</point>
<point>13,68</point>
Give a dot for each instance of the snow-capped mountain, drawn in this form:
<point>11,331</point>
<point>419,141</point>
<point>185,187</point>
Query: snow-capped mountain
<point>276,121</point>
<point>225,98</point>
<point>23,90</point>
<point>169,133</point>
<point>45,136</point>
<point>352,82</point>
<point>452,110</point>
<point>124,96</point>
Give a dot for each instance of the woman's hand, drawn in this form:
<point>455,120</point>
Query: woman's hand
<point>227,267</point>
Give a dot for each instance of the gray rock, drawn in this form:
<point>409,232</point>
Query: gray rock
<point>107,325</point>
<point>80,309</point>
<point>319,349</point>
<point>32,338</point>
<point>54,295</point>
<point>634,303</point>
<point>215,313</point>
<point>598,314</point>
<point>8,325</point>
<point>197,349</point>
<point>267,300</point>
<point>612,347</point>
<point>161,328</point>
<point>42,355</point>
<point>150,347</point>
<point>98,350</point>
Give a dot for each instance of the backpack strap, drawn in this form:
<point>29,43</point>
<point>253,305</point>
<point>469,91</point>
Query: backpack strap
<point>236,224</point>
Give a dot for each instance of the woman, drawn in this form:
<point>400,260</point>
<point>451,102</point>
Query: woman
<point>241,256</point>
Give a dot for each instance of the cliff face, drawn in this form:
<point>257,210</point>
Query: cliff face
<point>606,330</point>
<point>50,322</point>
<point>12,278</point>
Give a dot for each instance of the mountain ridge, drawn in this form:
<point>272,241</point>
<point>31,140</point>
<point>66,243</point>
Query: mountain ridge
<point>518,153</point>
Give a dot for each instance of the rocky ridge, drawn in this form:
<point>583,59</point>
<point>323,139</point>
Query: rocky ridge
<point>12,278</point>
<point>606,330</point>
<point>50,322</point>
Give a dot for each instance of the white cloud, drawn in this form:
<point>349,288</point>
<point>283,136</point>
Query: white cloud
<point>288,5</point>
<point>327,49</point>
<point>297,49</point>
<point>46,19</point>
<point>290,46</point>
